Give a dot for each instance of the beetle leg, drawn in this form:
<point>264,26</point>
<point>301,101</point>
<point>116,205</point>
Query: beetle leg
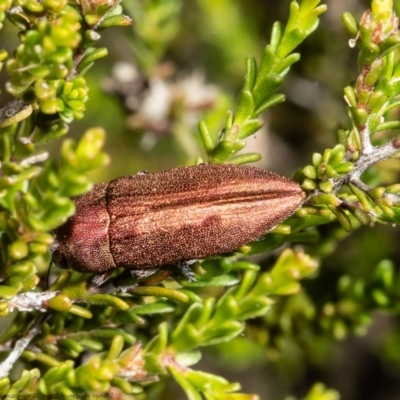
<point>184,266</point>
<point>98,279</point>
<point>143,273</point>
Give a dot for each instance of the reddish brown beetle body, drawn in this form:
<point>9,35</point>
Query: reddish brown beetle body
<point>154,219</point>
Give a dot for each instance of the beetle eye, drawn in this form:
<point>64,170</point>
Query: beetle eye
<point>60,260</point>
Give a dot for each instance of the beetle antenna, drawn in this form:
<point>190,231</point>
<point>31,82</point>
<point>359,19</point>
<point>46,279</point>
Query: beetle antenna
<point>48,273</point>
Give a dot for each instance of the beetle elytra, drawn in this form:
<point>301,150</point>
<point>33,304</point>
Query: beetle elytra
<point>148,220</point>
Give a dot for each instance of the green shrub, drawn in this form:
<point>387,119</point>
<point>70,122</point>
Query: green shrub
<point>125,337</point>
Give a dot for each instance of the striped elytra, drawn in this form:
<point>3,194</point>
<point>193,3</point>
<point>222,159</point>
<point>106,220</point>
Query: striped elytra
<point>154,219</point>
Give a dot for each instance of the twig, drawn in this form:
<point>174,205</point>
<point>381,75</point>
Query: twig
<point>34,301</point>
<point>79,56</point>
<point>379,153</point>
<point>13,112</point>
<point>36,158</point>
<point>21,345</point>
<point>31,301</point>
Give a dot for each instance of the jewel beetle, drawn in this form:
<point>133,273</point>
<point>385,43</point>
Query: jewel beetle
<point>145,221</point>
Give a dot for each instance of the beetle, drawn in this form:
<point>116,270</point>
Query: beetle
<point>149,220</point>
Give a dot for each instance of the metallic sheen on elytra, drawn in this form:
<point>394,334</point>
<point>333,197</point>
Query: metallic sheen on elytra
<point>153,219</point>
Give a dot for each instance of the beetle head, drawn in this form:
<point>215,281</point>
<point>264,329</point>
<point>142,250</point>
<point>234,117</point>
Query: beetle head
<point>59,258</point>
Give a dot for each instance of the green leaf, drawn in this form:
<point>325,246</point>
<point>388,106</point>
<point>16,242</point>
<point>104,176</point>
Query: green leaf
<point>251,74</point>
<point>266,64</point>
<point>221,280</point>
<point>91,56</point>
<point>221,333</point>
<point>265,88</point>
<point>154,308</point>
<point>245,107</point>
<point>206,137</point>
<point>271,101</point>
<point>276,37</point>
<point>250,127</point>
<point>190,390</point>
<point>350,23</point>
